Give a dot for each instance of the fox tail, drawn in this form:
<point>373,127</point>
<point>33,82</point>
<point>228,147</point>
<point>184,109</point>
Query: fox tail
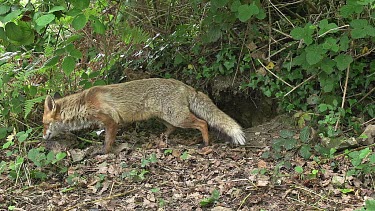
<point>202,106</point>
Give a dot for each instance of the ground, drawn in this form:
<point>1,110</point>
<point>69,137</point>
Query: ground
<point>150,172</point>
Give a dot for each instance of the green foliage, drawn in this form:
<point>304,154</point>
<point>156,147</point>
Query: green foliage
<point>151,159</point>
<point>185,155</point>
<point>369,205</point>
<point>215,196</point>
<point>363,162</point>
<point>298,169</point>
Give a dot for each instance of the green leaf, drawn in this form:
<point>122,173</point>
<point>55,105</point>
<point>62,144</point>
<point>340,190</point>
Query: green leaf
<point>8,144</point>
<point>79,22</point>
<point>304,135</point>
<point>344,43</point>
<point>346,190</point>
<point>29,104</point>
<point>74,12</point>
<point>45,20</point>
<point>76,53</point>
<point>178,59</point>
<point>210,200</point>
<point>80,4</point>
<point>305,151</point>
<point>359,23</point>
<point>361,29</point>
<point>11,16</point>
<point>56,8</point>
<point>322,107</point>
<point>262,14</point>
<point>52,61</point>
<point>3,132</point>
<point>370,204</point>
<point>298,169</point>
<point>22,33</point>
<point>235,5</point>
<point>372,158</point>
<point>290,143</point>
<point>50,157</point>
<point>314,54</point>
<point>36,156</point>
<point>343,61</point>
<point>328,65</point>
<point>3,34</point>
<point>73,51</point>
<point>350,8</point>
<point>286,133</point>
<point>68,65</point>
<point>219,3</point>
<point>327,83</point>
<point>60,156</point>
<point>331,44</point>
<point>245,12</point>
<point>363,153</point>
<point>324,27</point>
<point>98,26</point>
<point>304,33</point>
<point>4,9</point>
<point>13,31</point>
<point>184,155</point>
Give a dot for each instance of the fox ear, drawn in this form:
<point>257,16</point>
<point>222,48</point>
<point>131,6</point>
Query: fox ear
<point>57,95</point>
<point>49,103</point>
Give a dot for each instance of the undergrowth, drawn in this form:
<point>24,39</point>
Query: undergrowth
<point>315,59</point>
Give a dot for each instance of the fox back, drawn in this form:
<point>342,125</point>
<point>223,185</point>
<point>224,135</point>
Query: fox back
<point>110,106</point>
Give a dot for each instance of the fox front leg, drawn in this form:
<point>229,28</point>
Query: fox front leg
<point>110,127</point>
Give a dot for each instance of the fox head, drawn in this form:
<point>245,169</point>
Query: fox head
<point>51,118</point>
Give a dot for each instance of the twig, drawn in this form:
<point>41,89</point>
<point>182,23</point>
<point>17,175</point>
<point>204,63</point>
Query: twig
<point>239,58</point>
<point>344,26</point>
<point>364,97</point>
<point>244,200</point>
<point>102,199</point>
<point>345,153</point>
<point>269,33</point>
<point>281,13</point>
<point>300,84</point>
<point>344,95</point>
<point>284,48</point>
<point>274,74</point>
<point>304,203</point>
<point>365,123</point>
<point>365,54</point>
<point>373,119</point>
<point>283,33</point>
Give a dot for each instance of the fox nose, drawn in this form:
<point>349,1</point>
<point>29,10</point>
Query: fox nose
<point>46,136</point>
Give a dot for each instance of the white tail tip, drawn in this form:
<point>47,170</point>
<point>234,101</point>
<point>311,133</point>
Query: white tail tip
<point>238,136</point>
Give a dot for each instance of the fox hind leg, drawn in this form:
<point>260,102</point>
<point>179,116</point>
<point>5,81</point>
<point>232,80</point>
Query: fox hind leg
<point>191,121</point>
<point>170,128</point>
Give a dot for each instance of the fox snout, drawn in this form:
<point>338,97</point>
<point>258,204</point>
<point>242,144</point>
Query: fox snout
<point>47,134</point>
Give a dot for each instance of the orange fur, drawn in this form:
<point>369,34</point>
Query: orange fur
<point>176,103</point>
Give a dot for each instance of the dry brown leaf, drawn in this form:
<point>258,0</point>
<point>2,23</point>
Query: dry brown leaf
<point>262,164</point>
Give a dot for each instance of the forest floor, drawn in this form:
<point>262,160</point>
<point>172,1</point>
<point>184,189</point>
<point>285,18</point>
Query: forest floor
<point>149,172</point>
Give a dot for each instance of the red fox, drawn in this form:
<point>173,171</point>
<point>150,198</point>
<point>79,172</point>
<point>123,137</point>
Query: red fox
<point>109,106</point>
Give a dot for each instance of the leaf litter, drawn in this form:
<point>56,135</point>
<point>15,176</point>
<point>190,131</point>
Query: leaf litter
<point>152,173</point>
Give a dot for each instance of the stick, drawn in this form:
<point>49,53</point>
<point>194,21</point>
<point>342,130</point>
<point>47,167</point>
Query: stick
<point>274,74</point>
<point>344,95</point>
